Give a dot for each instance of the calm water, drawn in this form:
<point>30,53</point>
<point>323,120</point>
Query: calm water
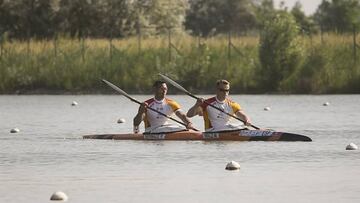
<point>49,153</point>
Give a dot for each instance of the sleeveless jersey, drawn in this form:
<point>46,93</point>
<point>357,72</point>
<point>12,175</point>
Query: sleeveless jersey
<point>213,118</point>
<point>165,106</point>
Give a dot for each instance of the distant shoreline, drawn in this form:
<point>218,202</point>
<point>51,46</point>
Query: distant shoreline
<point>328,66</point>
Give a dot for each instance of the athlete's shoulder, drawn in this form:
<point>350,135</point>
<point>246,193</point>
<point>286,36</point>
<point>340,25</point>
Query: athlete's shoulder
<point>208,101</point>
<point>169,100</point>
<point>229,100</point>
<point>174,105</point>
<point>234,105</point>
<point>149,101</point>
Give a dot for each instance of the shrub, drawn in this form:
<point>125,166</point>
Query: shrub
<point>280,50</point>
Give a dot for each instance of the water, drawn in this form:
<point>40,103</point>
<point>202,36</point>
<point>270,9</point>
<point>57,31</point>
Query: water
<point>48,154</point>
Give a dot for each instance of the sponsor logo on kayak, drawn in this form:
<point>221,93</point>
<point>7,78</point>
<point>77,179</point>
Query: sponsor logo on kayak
<point>252,133</point>
<point>211,135</point>
<point>154,136</point>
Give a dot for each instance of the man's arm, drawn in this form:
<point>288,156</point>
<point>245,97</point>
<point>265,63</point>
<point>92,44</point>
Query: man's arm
<point>196,109</point>
<point>241,114</point>
<point>140,115</point>
<point>185,119</point>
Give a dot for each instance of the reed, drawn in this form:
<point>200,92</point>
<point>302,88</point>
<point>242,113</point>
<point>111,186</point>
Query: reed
<point>76,66</point>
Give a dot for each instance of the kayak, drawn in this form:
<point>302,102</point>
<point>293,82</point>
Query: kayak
<point>237,135</point>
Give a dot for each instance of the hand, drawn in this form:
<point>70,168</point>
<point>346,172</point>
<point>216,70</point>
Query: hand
<point>247,121</point>
<point>143,107</point>
<point>240,114</point>
<point>190,126</point>
<point>199,101</point>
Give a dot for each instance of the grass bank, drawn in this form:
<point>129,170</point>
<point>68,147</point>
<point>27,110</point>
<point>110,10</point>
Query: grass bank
<point>75,66</point>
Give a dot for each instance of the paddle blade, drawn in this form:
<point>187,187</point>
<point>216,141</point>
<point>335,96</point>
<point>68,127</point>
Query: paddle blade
<point>167,79</point>
<point>115,87</point>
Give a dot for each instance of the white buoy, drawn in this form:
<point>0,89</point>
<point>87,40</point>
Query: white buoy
<point>351,146</point>
<point>326,104</point>
<point>121,120</point>
<point>267,108</point>
<point>15,130</point>
<point>233,165</point>
<point>59,196</point>
<point>74,103</point>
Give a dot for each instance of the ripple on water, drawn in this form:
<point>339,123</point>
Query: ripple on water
<point>49,153</point>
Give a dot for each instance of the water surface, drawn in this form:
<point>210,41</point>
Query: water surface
<point>49,154</point>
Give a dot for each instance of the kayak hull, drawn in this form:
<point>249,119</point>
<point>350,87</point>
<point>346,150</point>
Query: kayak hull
<point>238,135</point>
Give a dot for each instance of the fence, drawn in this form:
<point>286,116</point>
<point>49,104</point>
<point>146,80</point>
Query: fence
<point>64,63</point>
<point>233,50</point>
<point>231,46</point>
<point>355,45</point>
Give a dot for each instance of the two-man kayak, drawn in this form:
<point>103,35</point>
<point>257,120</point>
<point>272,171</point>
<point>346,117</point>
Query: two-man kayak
<point>238,135</point>
<point>235,135</point>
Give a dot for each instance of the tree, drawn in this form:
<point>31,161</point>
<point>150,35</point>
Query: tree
<point>158,16</point>
<point>78,17</point>
<point>29,18</point>
<point>280,50</point>
<point>24,19</point>
<point>4,17</point>
<point>220,16</point>
<point>115,19</point>
<point>305,23</point>
<point>264,10</point>
<point>338,15</point>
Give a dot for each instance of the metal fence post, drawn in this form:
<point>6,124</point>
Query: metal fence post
<point>169,41</point>
<point>28,44</point>
<point>110,49</point>
<point>229,46</point>
<point>321,34</point>
<point>55,45</point>
<point>83,48</point>
<point>354,44</point>
<point>1,45</point>
<point>138,33</point>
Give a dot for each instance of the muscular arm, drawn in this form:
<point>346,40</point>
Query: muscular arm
<point>196,109</point>
<point>183,117</point>
<point>140,115</point>
<point>241,114</point>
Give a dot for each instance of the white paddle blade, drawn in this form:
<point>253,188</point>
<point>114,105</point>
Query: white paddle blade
<point>116,88</point>
<point>167,79</point>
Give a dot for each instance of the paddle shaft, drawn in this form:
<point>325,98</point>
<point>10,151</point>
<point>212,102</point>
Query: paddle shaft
<point>195,97</point>
<point>138,102</point>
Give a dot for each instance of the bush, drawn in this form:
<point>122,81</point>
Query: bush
<point>280,50</point>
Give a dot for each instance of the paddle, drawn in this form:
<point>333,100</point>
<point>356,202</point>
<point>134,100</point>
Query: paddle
<point>136,101</point>
<point>175,84</point>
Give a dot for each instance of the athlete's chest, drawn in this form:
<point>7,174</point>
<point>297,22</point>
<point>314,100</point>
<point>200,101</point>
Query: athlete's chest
<point>159,106</point>
<point>225,107</point>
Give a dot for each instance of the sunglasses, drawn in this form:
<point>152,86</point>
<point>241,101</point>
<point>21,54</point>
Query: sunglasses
<point>224,90</point>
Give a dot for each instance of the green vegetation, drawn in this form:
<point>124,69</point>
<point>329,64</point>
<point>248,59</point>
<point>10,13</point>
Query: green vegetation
<point>57,46</point>
<point>338,15</point>
<point>46,19</point>
<point>280,50</point>
<point>77,67</point>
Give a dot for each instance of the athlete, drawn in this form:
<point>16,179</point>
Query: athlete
<point>214,119</point>
<point>155,122</point>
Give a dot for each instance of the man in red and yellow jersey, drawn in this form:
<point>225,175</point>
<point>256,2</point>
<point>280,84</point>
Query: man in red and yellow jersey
<point>155,122</point>
<point>214,119</point>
